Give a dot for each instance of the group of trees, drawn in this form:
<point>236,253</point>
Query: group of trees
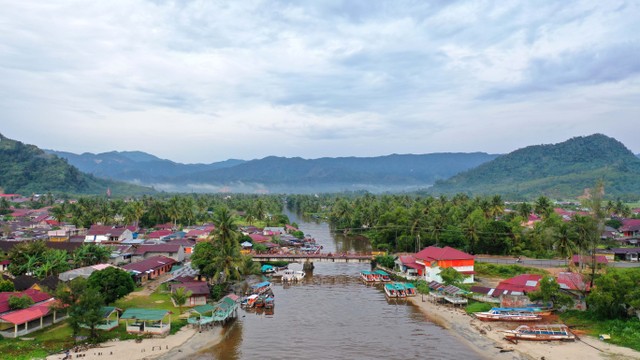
<point>36,259</point>
<point>404,223</point>
<point>181,210</point>
<point>220,259</point>
<point>85,298</point>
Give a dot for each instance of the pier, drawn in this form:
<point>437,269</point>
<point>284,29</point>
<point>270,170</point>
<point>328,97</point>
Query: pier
<point>309,259</point>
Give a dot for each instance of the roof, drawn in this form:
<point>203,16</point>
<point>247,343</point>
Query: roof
<point>259,237</point>
<point>159,248</point>
<point>99,230</point>
<point>151,263</point>
<point>446,253</point>
<point>626,250</point>
<point>196,287</point>
<point>630,225</point>
<point>35,295</point>
<point>159,234</point>
<point>520,283</point>
<point>410,261</point>
<point>145,314</point>
<point>203,309</point>
<point>572,281</point>
<point>108,310</point>
<point>31,313</point>
<point>587,259</point>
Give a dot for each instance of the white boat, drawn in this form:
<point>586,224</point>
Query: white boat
<point>293,275</point>
<point>541,332</point>
<point>498,314</point>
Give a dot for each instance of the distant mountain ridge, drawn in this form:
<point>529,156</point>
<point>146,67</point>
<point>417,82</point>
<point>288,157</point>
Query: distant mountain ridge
<point>563,169</point>
<point>279,174</point>
<point>26,169</point>
<point>135,166</point>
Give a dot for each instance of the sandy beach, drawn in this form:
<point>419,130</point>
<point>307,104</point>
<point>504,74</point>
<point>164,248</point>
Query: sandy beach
<point>487,339</point>
<point>182,345</point>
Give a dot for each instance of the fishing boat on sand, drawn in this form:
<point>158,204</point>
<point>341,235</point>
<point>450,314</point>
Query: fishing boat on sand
<point>536,310</point>
<point>540,332</point>
<point>503,314</point>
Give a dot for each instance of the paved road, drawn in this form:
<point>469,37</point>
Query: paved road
<point>547,263</point>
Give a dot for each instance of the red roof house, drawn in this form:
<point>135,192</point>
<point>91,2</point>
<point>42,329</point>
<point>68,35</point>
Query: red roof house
<point>434,259</point>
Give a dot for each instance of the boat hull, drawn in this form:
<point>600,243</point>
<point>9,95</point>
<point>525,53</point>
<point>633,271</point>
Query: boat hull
<point>491,317</point>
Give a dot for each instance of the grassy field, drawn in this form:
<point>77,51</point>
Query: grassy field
<point>505,271</point>
<point>623,332</point>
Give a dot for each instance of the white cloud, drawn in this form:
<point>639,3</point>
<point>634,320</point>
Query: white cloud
<point>220,80</point>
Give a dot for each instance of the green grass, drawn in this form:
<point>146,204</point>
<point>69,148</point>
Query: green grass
<point>505,271</point>
<point>623,332</point>
<point>475,306</point>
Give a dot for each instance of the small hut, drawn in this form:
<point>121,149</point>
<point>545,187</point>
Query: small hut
<point>147,321</point>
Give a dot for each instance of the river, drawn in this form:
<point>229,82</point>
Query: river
<point>333,315</point>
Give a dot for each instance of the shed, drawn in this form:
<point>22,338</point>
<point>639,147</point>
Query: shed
<point>147,321</point>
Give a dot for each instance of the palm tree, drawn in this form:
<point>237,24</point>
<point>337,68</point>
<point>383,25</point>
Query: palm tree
<point>564,244</point>
<point>59,212</point>
<point>497,206</point>
<point>524,210</point>
<point>139,210</point>
<point>173,210</point>
<point>180,296</point>
<point>543,207</point>
<point>226,230</point>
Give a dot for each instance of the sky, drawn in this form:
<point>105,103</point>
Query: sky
<point>205,81</point>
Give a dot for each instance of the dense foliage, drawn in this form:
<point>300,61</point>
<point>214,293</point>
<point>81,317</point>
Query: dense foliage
<point>616,294</point>
<point>112,282</point>
<point>480,225</point>
<point>550,292</point>
<point>560,170</point>
<point>26,169</point>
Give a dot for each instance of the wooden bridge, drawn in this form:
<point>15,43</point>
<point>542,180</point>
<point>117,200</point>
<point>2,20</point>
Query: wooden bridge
<point>311,258</point>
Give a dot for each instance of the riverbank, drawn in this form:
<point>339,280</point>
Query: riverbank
<point>487,339</point>
<point>182,345</point>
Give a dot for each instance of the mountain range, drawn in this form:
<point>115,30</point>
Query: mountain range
<point>279,174</point>
<point>556,170</point>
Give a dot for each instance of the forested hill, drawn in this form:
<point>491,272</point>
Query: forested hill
<point>135,165</point>
<point>26,169</point>
<point>279,174</point>
<point>558,170</point>
<point>382,173</point>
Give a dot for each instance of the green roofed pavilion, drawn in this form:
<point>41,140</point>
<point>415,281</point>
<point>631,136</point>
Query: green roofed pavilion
<point>147,321</point>
<point>145,314</point>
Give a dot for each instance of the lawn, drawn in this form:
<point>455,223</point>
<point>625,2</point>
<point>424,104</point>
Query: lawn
<point>623,332</point>
<point>505,271</point>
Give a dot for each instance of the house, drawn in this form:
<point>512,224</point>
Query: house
<point>272,230</point>
<point>630,228</point>
<point>572,283</point>
<point>433,259</point>
<point>4,265</point>
<point>149,269</point>
<point>174,251</point>
<point>199,292</point>
<point>627,254</point>
<point>110,318</point>
<point>187,244</point>
<point>100,233</point>
<point>147,321</point>
<point>14,323</point>
<point>588,260</point>
<point>158,234</point>
<point>121,253</point>
<point>407,265</point>
<point>83,272</point>
<point>24,282</point>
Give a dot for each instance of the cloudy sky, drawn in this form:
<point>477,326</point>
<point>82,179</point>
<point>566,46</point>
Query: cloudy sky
<point>203,81</point>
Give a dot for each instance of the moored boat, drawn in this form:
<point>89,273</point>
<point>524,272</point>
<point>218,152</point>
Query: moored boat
<point>390,291</point>
<point>367,276</point>
<point>291,275</point>
<point>260,288</point>
<point>535,310</point>
<point>500,314</point>
<point>542,332</point>
<point>382,275</point>
<point>410,289</point>
<point>401,290</point>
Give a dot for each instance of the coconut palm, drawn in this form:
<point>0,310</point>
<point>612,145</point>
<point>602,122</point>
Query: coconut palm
<point>564,243</point>
<point>180,296</point>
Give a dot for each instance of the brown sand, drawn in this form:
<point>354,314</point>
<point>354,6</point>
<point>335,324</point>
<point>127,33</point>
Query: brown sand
<point>487,339</point>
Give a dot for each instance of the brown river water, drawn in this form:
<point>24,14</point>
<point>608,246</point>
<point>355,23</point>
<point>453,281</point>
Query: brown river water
<point>333,315</point>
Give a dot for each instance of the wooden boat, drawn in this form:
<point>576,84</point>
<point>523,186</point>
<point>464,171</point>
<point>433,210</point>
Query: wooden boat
<point>382,275</point>
<point>536,310</point>
<point>540,332</point>
<point>499,314</point>
<point>249,301</point>
<point>269,303</point>
<point>260,288</point>
<point>401,290</point>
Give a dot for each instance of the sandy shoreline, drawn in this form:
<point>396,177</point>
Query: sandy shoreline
<point>182,345</point>
<point>487,340</point>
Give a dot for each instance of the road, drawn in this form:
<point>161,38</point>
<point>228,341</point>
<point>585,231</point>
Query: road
<point>547,263</point>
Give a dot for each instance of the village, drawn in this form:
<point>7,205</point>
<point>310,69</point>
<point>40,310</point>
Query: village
<point>157,260</point>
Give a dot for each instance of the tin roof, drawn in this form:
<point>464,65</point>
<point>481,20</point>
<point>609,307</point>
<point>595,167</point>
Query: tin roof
<point>145,314</point>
